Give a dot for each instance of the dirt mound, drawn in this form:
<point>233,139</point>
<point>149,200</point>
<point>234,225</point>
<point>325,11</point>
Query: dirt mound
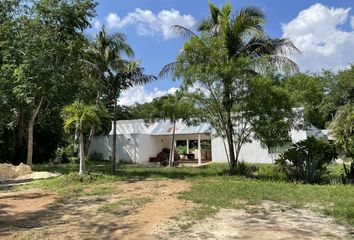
<point>9,171</point>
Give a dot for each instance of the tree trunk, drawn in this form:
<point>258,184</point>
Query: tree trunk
<point>30,132</point>
<point>82,154</point>
<point>76,141</point>
<point>227,104</point>
<point>114,140</point>
<point>233,162</point>
<point>172,151</point>
<point>89,141</point>
<point>92,131</point>
<point>230,142</point>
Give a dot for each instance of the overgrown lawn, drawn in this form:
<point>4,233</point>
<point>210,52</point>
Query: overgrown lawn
<point>212,187</point>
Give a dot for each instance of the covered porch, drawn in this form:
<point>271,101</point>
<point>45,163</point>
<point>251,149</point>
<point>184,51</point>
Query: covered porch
<point>191,148</point>
<point>192,142</point>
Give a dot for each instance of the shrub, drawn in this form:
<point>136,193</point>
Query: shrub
<point>348,175</point>
<point>61,156</point>
<point>245,169</point>
<point>307,160</point>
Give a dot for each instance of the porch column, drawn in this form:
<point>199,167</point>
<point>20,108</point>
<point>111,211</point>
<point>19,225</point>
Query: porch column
<point>187,146</point>
<point>199,151</point>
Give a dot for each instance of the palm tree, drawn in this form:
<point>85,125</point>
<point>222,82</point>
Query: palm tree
<point>100,55</point>
<point>342,128</point>
<point>78,115</point>
<point>242,36</point>
<point>125,74</point>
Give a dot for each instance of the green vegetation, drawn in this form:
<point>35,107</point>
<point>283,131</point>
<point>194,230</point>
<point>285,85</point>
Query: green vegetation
<point>334,200</point>
<point>307,160</point>
<point>172,107</point>
<point>116,207</point>
<point>342,129</point>
<point>212,187</point>
<point>233,65</point>
<point>78,116</point>
<point>227,59</point>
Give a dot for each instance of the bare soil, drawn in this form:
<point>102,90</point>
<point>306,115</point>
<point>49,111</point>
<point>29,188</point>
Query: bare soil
<point>268,221</point>
<point>35,214</point>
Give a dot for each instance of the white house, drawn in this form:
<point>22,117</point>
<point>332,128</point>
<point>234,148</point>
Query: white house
<point>138,141</point>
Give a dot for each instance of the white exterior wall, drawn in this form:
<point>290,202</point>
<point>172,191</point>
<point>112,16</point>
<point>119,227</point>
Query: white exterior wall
<point>250,152</point>
<point>139,147</point>
<point>102,144</point>
<point>148,147</point>
<point>127,146</point>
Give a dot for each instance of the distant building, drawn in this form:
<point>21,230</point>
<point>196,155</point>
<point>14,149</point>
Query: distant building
<point>138,141</point>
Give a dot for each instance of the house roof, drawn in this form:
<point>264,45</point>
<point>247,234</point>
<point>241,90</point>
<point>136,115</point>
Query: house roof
<point>130,127</point>
<point>160,127</point>
<point>165,127</point>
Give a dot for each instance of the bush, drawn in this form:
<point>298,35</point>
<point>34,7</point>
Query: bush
<point>348,175</point>
<point>307,160</point>
<point>245,169</point>
<point>61,156</point>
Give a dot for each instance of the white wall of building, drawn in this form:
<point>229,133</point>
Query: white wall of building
<point>102,144</point>
<point>139,147</point>
<point>127,146</point>
<point>252,152</point>
<point>149,146</point>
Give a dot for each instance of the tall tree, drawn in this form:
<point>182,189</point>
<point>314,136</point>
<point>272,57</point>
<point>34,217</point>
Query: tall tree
<point>230,48</point>
<point>80,116</point>
<point>48,63</point>
<point>100,56</point>
<point>125,74</point>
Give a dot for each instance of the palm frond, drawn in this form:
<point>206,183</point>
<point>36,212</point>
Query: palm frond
<point>183,31</point>
<point>248,22</point>
<point>205,25</point>
<point>214,12</point>
<point>226,10</point>
<point>261,46</point>
<point>277,62</point>
<point>92,68</point>
<point>69,123</point>
<point>252,12</point>
<point>168,70</point>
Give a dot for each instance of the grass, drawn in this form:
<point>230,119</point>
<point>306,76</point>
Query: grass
<point>116,207</point>
<point>130,171</point>
<point>334,200</point>
<point>212,187</point>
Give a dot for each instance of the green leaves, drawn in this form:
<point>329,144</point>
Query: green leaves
<point>40,44</point>
<point>225,61</point>
<point>81,115</point>
<point>269,111</point>
<point>173,107</point>
<point>307,160</point>
<point>342,128</point>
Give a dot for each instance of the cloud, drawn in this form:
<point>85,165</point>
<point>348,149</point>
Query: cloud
<point>317,32</point>
<point>97,24</point>
<point>148,23</point>
<point>352,22</point>
<point>140,95</point>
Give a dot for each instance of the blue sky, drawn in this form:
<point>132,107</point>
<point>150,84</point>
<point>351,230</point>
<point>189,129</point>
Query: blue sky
<point>323,30</point>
